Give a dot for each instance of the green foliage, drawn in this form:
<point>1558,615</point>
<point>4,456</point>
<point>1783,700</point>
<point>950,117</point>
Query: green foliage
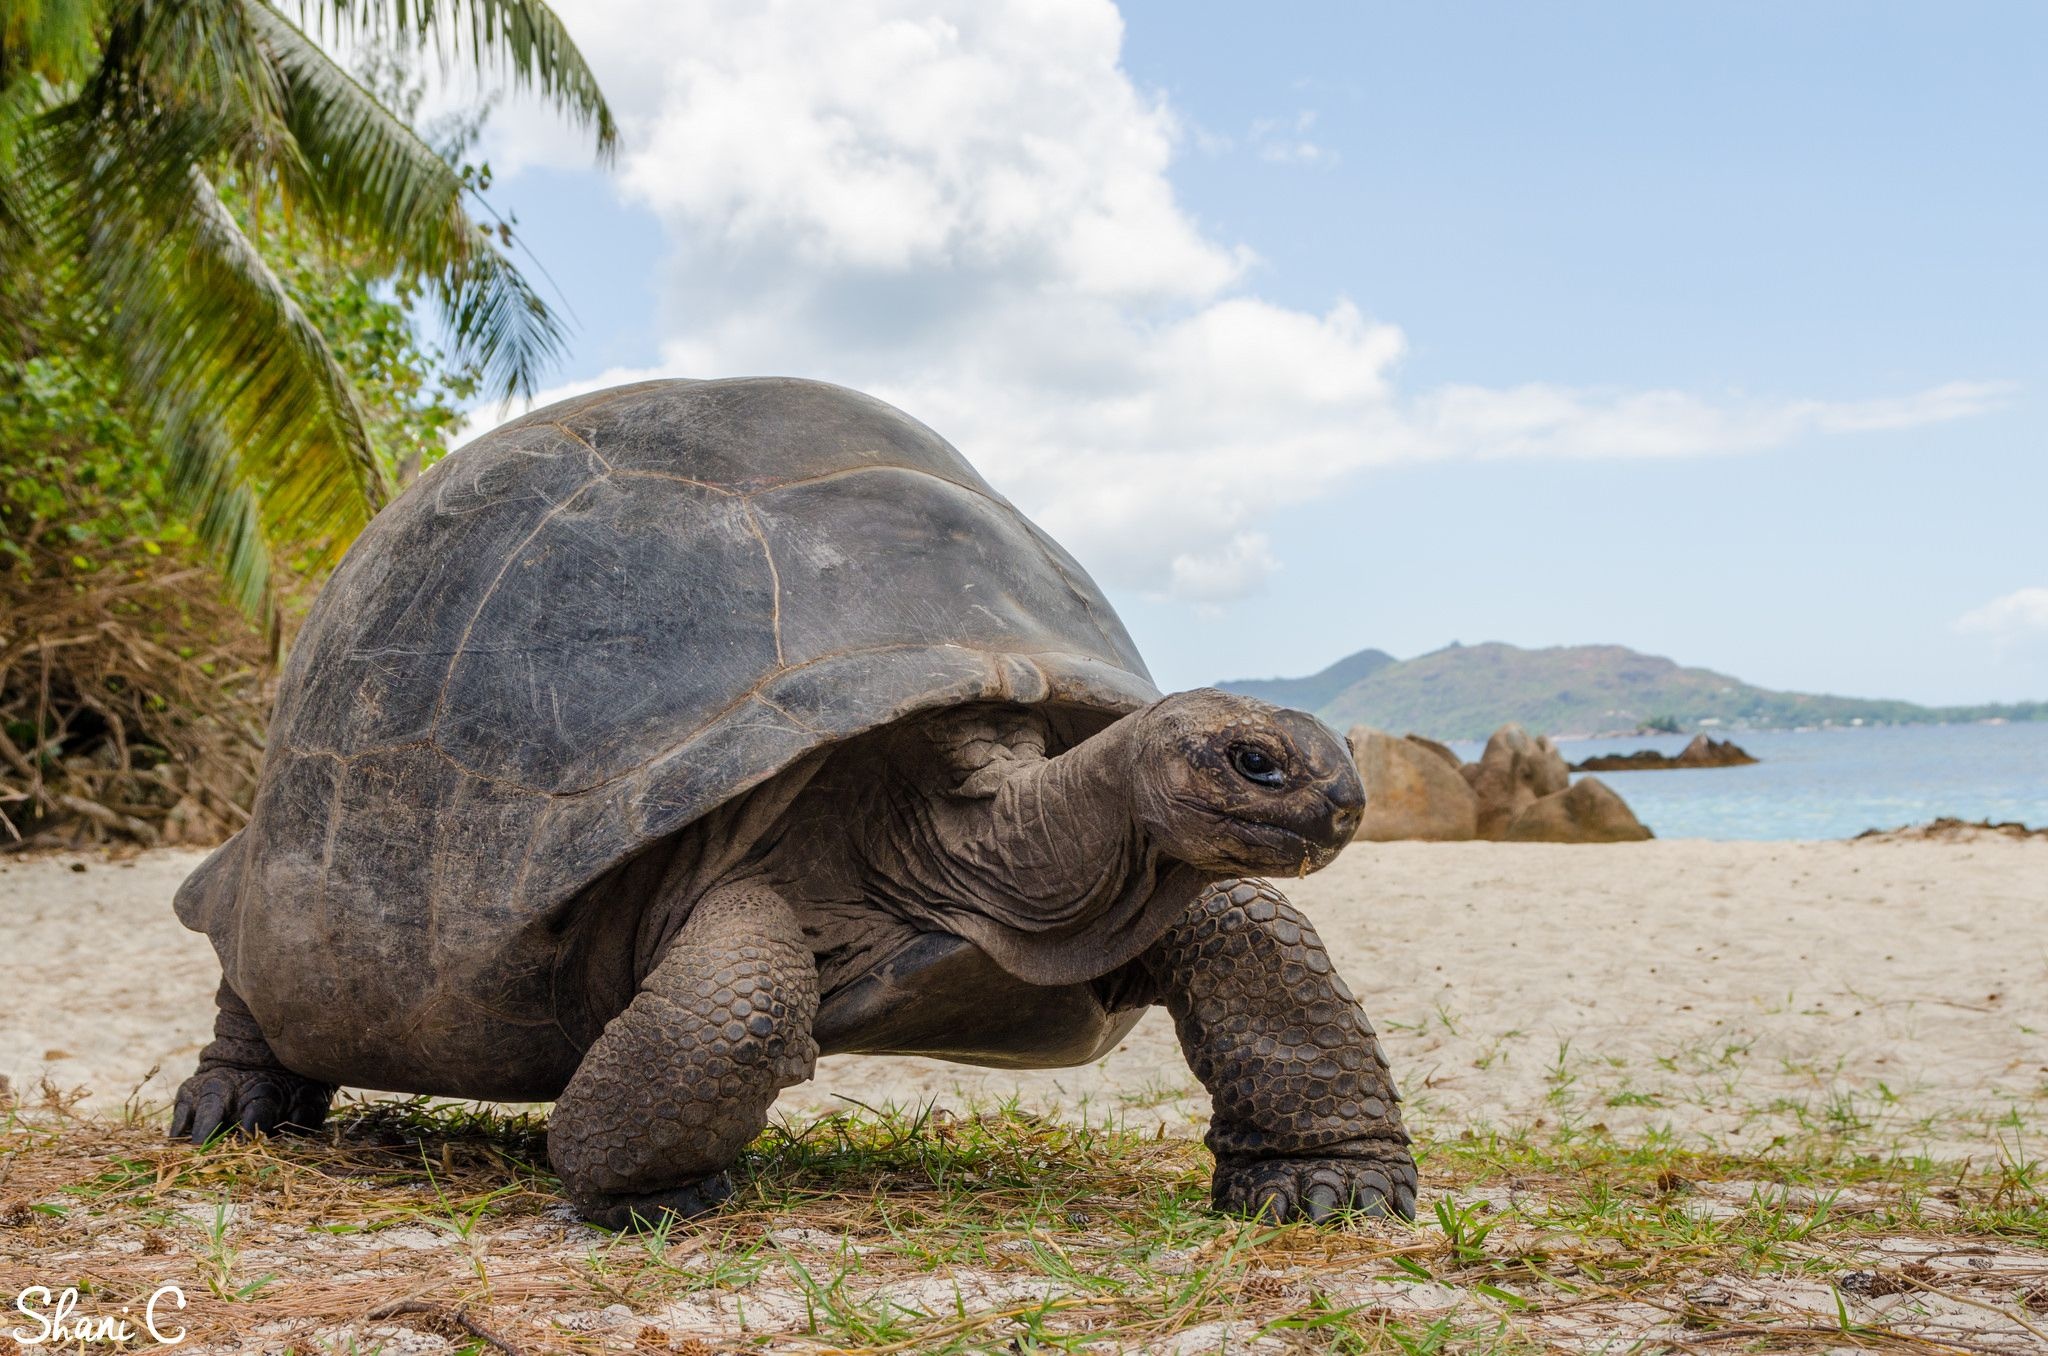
<point>132,700</point>
<point>49,38</point>
<point>1465,1228</point>
<point>412,391</point>
<point>239,232</point>
<point>75,468</point>
<point>81,465</point>
<point>1665,724</point>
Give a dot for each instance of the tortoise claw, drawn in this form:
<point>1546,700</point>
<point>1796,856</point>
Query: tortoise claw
<point>224,1100</point>
<point>647,1210</point>
<point>1317,1190</point>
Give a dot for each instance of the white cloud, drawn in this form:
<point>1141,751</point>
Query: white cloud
<point>2021,613</point>
<point>965,208</point>
<point>1538,420</point>
<point>1244,562</point>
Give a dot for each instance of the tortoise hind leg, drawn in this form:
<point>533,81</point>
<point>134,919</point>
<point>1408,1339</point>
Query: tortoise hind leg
<point>680,1082</point>
<point>241,1085</point>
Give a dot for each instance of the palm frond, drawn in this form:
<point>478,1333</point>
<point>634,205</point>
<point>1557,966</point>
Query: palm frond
<point>213,348</point>
<point>226,342</point>
<point>104,178</point>
<point>497,320</point>
<point>21,103</point>
<point>199,66</point>
<point>374,181</point>
<point>524,36</point>
<point>45,48</point>
<point>372,178</point>
<point>52,39</point>
<point>212,486</point>
<point>195,60</point>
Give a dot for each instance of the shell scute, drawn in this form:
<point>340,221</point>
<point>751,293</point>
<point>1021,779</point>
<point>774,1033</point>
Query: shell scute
<point>954,567</point>
<point>615,630</point>
<point>410,587</point>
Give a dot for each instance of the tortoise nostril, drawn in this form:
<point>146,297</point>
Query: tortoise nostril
<point>1342,811</point>
<point>1346,795</point>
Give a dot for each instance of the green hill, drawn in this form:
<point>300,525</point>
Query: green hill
<point>1468,691</point>
<point>1318,689</point>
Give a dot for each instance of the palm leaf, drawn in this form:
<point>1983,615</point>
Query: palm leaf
<point>522,35</point>
<point>49,39</point>
<point>213,349</point>
<point>375,183</point>
<point>227,519</point>
<point>20,104</point>
<point>261,428</point>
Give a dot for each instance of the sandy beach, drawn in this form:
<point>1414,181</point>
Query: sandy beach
<point>1894,993</point>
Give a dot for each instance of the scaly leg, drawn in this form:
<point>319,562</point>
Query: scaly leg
<point>681,1081</point>
<point>240,1085</point>
<point>1306,1119</point>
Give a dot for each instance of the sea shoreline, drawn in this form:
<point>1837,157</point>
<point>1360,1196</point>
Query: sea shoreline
<point>1722,729</point>
<point>1834,783</point>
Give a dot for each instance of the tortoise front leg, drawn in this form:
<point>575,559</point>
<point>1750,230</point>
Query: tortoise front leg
<point>1306,1120</point>
<point>681,1081</point>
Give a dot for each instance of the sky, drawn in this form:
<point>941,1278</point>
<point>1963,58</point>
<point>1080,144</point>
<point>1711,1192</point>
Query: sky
<point>1711,330</point>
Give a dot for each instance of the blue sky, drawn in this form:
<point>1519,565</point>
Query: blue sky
<point>1711,330</point>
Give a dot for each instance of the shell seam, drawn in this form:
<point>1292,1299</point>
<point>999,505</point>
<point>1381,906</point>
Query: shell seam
<point>462,642</point>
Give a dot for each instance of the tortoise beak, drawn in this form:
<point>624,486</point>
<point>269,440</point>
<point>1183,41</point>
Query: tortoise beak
<point>1343,790</point>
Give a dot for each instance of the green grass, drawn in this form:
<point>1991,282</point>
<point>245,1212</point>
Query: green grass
<point>1005,1231</point>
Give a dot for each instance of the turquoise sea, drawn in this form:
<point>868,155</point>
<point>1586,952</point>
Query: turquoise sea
<point>1835,783</point>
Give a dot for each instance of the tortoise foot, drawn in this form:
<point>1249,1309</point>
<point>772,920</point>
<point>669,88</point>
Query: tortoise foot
<point>225,1100</point>
<point>647,1210</point>
<point>1284,1190</point>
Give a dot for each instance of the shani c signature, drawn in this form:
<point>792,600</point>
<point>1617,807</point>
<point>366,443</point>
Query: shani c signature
<point>58,1322</point>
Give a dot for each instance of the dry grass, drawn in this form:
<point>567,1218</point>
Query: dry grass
<point>132,699</point>
<point>413,1227</point>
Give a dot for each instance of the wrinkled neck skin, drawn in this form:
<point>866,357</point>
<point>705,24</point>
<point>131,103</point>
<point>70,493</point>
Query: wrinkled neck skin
<point>1052,851</point>
<point>960,824</point>
<point>1056,839</point>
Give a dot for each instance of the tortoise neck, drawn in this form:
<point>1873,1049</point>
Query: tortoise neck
<point>1065,829</point>
<point>1051,871</point>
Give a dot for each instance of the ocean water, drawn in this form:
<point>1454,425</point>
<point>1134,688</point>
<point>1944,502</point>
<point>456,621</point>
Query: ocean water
<point>1835,783</point>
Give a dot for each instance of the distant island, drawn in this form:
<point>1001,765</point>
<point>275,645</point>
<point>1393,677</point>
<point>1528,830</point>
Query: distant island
<point>1468,691</point>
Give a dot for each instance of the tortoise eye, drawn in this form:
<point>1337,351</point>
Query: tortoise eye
<point>1254,765</point>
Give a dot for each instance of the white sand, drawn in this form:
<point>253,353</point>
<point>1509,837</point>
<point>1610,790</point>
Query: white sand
<point>1893,993</point>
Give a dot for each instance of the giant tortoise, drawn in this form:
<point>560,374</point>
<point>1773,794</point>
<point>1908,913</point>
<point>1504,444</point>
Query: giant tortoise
<point>666,738</point>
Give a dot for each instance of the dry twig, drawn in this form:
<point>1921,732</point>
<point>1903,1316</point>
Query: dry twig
<point>132,698</point>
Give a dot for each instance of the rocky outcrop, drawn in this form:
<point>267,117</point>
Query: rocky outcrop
<point>1442,751</point>
<point>1520,791</point>
<point>1949,829</point>
<point>1588,812</point>
<point>1516,770</point>
<point>1410,791</point>
<point>1704,751</point>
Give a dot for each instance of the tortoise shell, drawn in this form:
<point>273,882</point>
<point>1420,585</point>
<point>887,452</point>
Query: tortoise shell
<point>592,626</point>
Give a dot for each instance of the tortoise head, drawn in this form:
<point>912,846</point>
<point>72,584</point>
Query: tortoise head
<point>1232,784</point>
